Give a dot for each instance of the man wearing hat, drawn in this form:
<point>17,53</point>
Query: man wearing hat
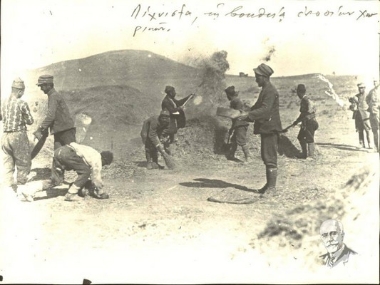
<point>361,115</point>
<point>175,108</point>
<point>308,121</point>
<point>152,135</point>
<point>58,117</point>
<point>15,143</point>
<point>373,108</point>
<point>239,128</point>
<point>266,115</point>
<point>85,161</point>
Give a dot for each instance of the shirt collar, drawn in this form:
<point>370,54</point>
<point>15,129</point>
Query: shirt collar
<point>51,91</point>
<point>334,256</point>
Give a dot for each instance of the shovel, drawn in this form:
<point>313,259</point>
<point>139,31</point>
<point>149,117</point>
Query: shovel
<point>39,145</point>
<point>226,147</point>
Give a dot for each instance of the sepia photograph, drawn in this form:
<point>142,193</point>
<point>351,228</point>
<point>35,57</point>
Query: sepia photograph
<point>193,142</point>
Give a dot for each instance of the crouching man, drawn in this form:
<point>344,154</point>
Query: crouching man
<point>85,161</point>
<point>152,135</point>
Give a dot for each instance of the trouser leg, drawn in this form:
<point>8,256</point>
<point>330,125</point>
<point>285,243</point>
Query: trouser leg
<point>8,160</point>
<point>22,157</point>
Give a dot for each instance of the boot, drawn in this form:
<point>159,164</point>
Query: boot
<point>303,154</point>
<point>72,194</point>
<point>155,163</point>
<point>247,155</point>
<point>270,186</point>
<point>271,181</point>
<point>311,148</point>
<point>148,159</point>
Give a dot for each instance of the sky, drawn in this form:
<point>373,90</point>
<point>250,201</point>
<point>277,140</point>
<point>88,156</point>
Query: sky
<point>304,36</point>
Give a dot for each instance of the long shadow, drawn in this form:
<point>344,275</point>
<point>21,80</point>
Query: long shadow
<point>286,147</point>
<point>340,146</point>
<point>140,163</point>
<point>52,193</point>
<point>213,183</point>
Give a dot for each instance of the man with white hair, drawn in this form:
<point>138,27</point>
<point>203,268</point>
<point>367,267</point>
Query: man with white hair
<point>332,236</point>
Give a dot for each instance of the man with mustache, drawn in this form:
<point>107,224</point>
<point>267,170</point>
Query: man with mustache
<point>332,236</point>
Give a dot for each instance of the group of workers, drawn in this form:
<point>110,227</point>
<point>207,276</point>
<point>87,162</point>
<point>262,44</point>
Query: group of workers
<point>157,134</point>
<point>68,155</point>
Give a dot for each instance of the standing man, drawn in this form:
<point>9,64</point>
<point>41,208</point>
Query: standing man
<point>15,143</point>
<point>266,115</point>
<point>361,115</point>
<point>58,118</point>
<point>152,137</point>
<point>308,121</point>
<point>85,161</point>
<point>373,108</point>
<point>332,235</point>
<point>175,108</point>
<point>238,128</point>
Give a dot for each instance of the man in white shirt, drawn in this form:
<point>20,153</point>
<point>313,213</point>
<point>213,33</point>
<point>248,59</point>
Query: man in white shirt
<point>85,161</point>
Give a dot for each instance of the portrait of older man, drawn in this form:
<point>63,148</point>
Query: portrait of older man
<point>332,235</point>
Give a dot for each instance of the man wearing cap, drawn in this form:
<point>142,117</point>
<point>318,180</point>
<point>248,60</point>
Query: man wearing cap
<point>58,118</point>
<point>373,108</point>
<point>361,115</point>
<point>308,121</point>
<point>175,109</point>
<point>152,135</point>
<point>85,161</point>
<point>239,128</point>
<point>15,143</point>
<point>266,115</point>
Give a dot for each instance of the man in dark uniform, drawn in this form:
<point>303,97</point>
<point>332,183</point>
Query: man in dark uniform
<point>238,128</point>
<point>58,118</point>
<point>373,108</point>
<point>175,108</point>
<point>308,121</point>
<point>361,115</point>
<point>152,135</point>
<point>266,115</point>
<point>332,235</point>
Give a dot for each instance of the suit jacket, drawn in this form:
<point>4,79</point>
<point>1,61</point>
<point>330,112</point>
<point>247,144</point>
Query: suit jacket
<point>266,111</point>
<point>341,260</point>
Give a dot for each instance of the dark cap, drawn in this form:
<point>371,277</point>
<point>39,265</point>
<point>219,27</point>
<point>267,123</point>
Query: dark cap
<point>263,70</point>
<point>301,88</point>
<point>231,91</point>
<point>361,85</point>
<point>164,113</point>
<point>169,89</point>
<point>45,79</point>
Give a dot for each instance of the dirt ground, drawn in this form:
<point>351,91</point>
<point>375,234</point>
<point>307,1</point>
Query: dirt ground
<point>159,227</point>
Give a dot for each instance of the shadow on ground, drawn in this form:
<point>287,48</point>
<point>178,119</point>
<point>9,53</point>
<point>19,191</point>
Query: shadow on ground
<point>286,147</point>
<point>140,163</point>
<point>341,146</point>
<point>213,183</point>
